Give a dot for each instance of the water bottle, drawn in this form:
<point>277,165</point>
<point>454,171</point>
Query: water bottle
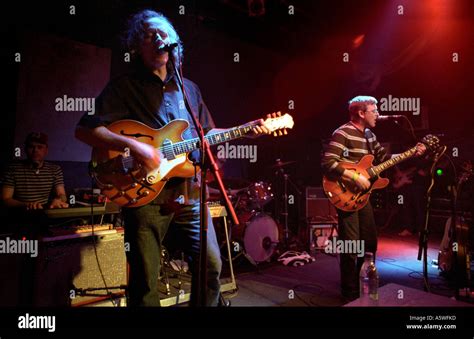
<point>369,282</point>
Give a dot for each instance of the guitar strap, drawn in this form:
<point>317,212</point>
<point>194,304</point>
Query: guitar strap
<point>367,135</point>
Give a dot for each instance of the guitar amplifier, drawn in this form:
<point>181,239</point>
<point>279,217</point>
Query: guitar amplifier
<point>69,264</point>
<point>318,208</point>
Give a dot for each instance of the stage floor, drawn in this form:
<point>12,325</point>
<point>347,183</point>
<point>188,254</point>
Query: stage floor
<point>317,283</point>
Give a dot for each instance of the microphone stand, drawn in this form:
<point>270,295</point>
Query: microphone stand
<point>423,240</point>
<point>207,162</point>
<point>285,213</point>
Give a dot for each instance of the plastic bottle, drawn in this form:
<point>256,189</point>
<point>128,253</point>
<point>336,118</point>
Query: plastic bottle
<point>369,282</point>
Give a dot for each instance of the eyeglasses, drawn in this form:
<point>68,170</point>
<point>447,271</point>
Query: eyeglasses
<point>376,111</point>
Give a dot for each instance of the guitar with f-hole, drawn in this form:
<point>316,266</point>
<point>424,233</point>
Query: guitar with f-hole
<point>346,195</point>
<point>126,182</point>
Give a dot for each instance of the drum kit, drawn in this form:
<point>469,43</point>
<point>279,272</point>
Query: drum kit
<point>258,234</point>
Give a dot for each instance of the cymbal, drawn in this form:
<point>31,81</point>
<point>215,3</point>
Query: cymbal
<point>215,192</point>
<point>232,183</point>
<point>279,164</point>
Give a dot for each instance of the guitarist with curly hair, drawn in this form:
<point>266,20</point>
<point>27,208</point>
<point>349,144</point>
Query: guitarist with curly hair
<point>150,94</point>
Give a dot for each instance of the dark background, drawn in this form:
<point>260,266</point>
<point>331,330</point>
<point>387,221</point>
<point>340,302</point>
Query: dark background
<point>282,57</point>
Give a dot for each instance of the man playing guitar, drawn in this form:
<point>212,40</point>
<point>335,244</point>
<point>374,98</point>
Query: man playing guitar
<point>350,142</point>
<point>152,96</point>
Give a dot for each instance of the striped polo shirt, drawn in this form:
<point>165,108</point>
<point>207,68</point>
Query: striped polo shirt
<point>350,144</point>
<point>30,184</point>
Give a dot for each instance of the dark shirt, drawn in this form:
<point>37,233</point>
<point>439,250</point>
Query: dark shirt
<point>350,144</point>
<point>33,184</point>
<point>144,97</point>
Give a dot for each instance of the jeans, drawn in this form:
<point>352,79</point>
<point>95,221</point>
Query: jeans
<point>145,229</point>
<point>358,225</point>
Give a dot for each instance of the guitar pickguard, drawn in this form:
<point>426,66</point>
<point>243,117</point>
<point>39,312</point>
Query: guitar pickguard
<point>164,169</point>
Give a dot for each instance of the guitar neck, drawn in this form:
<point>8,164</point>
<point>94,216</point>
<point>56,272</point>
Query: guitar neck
<point>394,161</point>
<point>233,133</point>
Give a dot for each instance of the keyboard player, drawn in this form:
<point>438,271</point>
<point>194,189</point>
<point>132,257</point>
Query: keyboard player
<point>34,183</point>
<point>31,184</point>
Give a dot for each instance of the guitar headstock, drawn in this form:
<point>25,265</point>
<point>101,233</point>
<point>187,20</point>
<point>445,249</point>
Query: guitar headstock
<point>278,123</point>
<point>432,143</point>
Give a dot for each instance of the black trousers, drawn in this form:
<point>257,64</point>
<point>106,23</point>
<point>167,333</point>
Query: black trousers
<point>145,230</point>
<point>360,226</point>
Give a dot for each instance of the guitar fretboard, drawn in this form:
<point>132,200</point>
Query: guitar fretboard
<point>392,162</point>
<point>190,145</point>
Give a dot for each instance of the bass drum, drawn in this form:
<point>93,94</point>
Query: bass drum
<point>259,234</point>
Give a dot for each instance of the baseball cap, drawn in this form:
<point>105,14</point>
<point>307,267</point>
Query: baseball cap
<point>38,137</point>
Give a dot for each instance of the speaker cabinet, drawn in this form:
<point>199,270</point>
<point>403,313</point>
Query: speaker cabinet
<point>318,207</point>
<point>319,234</point>
<point>93,263</point>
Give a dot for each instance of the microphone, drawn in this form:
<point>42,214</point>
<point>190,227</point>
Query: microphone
<point>389,117</point>
<point>168,47</point>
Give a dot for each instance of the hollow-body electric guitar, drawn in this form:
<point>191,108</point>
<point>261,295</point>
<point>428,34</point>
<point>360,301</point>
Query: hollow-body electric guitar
<point>345,195</point>
<point>124,181</point>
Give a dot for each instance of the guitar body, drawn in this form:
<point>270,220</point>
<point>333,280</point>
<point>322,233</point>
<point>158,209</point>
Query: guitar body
<point>123,189</point>
<point>344,194</point>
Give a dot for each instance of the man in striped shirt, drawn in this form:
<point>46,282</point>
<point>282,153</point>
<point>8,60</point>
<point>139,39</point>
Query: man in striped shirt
<point>350,142</point>
<point>34,183</point>
<point>31,184</point>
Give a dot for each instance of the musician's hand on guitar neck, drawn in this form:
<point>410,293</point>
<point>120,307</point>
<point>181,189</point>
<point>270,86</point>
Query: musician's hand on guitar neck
<point>420,149</point>
<point>146,155</point>
<point>260,129</point>
<point>360,180</point>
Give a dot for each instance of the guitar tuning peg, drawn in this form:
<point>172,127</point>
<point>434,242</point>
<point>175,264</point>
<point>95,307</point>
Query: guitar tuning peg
<point>285,131</point>
<point>280,133</point>
<point>274,134</point>
<point>269,115</point>
<point>279,113</point>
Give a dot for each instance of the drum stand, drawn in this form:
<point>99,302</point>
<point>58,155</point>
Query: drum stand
<point>285,206</point>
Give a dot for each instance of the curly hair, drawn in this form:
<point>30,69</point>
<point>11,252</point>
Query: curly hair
<point>135,32</point>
